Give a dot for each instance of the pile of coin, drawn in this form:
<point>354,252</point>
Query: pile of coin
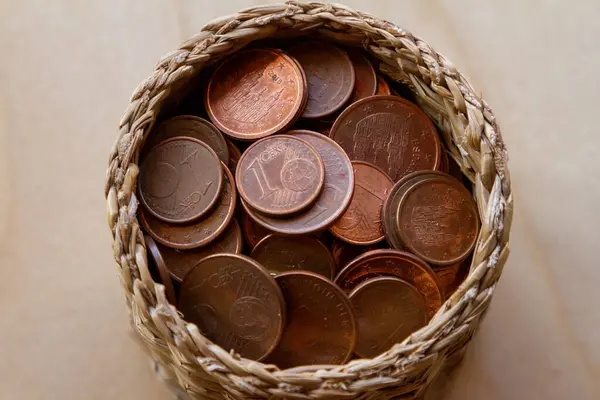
<point>316,217</point>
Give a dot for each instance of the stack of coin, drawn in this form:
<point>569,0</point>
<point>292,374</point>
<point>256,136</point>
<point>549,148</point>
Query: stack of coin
<point>313,218</point>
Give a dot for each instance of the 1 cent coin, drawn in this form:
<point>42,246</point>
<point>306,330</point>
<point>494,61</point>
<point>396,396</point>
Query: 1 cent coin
<point>235,302</point>
<point>179,262</point>
<point>320,328</point>
<point>180,180</point>
<point>365,82</point>
<point>279,253</point>
<point>361,223</point>
<point>383,89</point>
<point>390,132</point>
<point>280,175</point>
<point>255,93</point>
<point>395,263</point>
<point>199,233</point>
<point>190,126</point>
<point>387,310</point>
<point>333,200</point>
<point>163,273</point>
<point>330,77</point>
<point>437,220</point>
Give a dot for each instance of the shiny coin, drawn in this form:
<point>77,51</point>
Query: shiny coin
<point>383,89</point>
<point>199,233</point>
<point>320,328</point>
<point>234,155</point>
<point>390,132</point>
<point>395,263</point>
<point>330,77</point>
<point>179,262</point>
<point>279,254</point>
<point>365,82</point>
<point>437,220</point>
<point>235,303</point>
<point>387,310</point>
<point>180,180</point>
<point>280,175</point>
<point>361,223</point>
<point>255,93</point>
<point>333,200</point>
<point>190,126</point>
<point>158,265</point>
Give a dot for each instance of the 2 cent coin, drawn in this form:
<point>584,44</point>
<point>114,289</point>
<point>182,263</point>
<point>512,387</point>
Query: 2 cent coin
<point>180,180</point>
<point>387,310</point>
<point>320,328</point>
<point>361,223</point>
<point>280,175</point>
<point>236,303</point>
<point>255,93</point>
<point>390,132</point>
<point>279,253</point>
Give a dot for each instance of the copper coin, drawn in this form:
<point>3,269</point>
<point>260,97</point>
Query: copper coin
<point>330,77</point>
<point>190,126</point>
<point>163,273</point>
<point>179,262</point>
<point>437,220</point>
<point>365,82</point>
<point>235,302</point>
<point>253,232</point>
<point>320,328</point>
<point>343,252</point>
<point>452,276</point>
<point>333,200</point>
<point>199,233</point>
<point>234,155</point>
<point>279,253</point>
<point>390,132</point>
<point>383,89</point>
<point>255,93</point>
<point>180,180</point>
<point>387,310</point>
<point>396,263</point>
<point>280,175</point>
<point>361,223</point>
<point>390,205</point>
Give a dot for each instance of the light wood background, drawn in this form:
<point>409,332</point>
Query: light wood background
<point>67,70</point>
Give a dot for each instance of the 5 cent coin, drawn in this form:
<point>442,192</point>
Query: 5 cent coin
<point>320,328</point>
<point>387,310</point>
<point>361,223</point>
<point>180,180</point>
<point>235,302</point>
<point>279,254</point>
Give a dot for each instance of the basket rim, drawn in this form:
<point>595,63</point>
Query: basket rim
<point>469,132</point>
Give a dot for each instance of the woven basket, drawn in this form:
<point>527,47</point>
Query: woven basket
<point>201,369</point>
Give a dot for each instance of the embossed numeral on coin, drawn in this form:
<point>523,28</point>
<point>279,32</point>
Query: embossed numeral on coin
<point>261,177</point>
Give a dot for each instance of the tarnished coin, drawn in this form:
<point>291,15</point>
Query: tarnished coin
<point>179,262</point>
<point>234,155</point>
<point>158,263</point>
<point>344,252</point>
<point>199,233</point>
<point>387,310</point>
<point>190,126</point>
<point>320,327</point>
<point>330,77</point>
<point>255,93</point>
<point>451,277</point>
<point>333,200</point>
<point>365,82</point>
<point>390,132</point>
<point>253,232</point>
<point>383,89</point>
<point>279,253</point>
<point>280,175</point>
<point>180,180</point>
<point>361,223</point>
<point>437,220</point>
<point>235,302</point>
<point>396,263</point>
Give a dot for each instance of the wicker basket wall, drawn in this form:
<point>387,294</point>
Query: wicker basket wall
<point>202,369</point>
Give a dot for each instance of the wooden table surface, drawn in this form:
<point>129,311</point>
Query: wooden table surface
<point>67,71</point>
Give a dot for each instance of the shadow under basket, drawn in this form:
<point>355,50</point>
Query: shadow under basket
<point>197,368</point>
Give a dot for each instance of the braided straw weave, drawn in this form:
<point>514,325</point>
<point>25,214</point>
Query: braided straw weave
<point>201,369</point>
